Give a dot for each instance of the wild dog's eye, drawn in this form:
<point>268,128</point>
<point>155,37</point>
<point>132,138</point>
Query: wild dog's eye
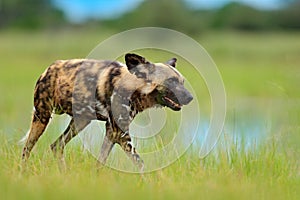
<point>172,80</point>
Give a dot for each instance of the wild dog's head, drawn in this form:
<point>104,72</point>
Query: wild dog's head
<point>161,81</point>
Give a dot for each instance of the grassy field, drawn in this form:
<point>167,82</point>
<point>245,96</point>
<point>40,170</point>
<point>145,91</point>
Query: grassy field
<point>256,158</point>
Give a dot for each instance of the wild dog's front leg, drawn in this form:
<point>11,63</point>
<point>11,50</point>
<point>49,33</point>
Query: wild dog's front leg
<point>121,116</point>
<point>107,144</point>
<point>127,146</point>
<point>105,150</point>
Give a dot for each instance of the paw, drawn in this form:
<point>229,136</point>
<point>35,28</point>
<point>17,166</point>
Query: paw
<point>138,161</point>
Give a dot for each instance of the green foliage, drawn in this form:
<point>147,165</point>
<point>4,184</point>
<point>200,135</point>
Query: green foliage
<point>241,17</point>
<point>174,14</point>
<point>289,18</point>
<point>233,16</point>
<point>29,14</point>
<point>161,13</point>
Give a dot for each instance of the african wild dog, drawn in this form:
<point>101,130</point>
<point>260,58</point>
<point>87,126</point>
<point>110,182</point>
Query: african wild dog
<point>109,91</point>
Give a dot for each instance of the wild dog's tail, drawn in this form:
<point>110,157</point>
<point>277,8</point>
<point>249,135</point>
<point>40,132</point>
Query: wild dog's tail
<point>24,138</point>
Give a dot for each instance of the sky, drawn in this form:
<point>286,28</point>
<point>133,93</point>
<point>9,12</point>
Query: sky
<point>81,10</point>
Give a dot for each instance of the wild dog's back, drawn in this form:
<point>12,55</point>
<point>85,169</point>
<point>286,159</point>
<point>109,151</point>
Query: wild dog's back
<point>55,87</point>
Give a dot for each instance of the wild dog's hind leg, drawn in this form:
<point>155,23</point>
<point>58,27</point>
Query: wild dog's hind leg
<point>43,109</point>
<point>38,125</point>
<point>72,130</point>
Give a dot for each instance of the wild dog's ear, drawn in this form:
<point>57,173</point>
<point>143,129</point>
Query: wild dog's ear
<point>132,60</point>
<point>172,62</point>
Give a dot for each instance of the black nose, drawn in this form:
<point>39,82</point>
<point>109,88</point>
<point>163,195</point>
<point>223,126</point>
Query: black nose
<point>185,98</point>
<point>188,99</point>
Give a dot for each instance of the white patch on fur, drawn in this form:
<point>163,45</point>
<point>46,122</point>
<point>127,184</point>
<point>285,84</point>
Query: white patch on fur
<point>91,109</point>
<point>123,134</point>
<point>112,96</point>
<point>148,88</point>
<point>90,79</point>
<point>126,107</point>
<point>101,110</point>
<point>120,118</point>
<point>122,64</point>
<point>79,112</point>
<point>132,147</point>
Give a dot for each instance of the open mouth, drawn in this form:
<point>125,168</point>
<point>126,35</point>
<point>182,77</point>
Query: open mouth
<point>171,103</point>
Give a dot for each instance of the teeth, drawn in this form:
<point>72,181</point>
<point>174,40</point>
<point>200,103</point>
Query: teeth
<point>172,102</point>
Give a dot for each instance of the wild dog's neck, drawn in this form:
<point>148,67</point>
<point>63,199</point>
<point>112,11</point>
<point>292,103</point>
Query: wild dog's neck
<point>140,102</point>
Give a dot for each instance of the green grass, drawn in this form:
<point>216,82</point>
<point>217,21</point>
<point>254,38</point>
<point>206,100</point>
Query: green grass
<point>261,74</point>
<point>263,173</point>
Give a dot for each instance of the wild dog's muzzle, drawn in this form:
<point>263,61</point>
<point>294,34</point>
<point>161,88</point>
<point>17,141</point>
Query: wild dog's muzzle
<point>183,95</point>
<point>176,97</point>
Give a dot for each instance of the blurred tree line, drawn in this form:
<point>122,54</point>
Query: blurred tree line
<point>174,14</point>
<point>29,14</point>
